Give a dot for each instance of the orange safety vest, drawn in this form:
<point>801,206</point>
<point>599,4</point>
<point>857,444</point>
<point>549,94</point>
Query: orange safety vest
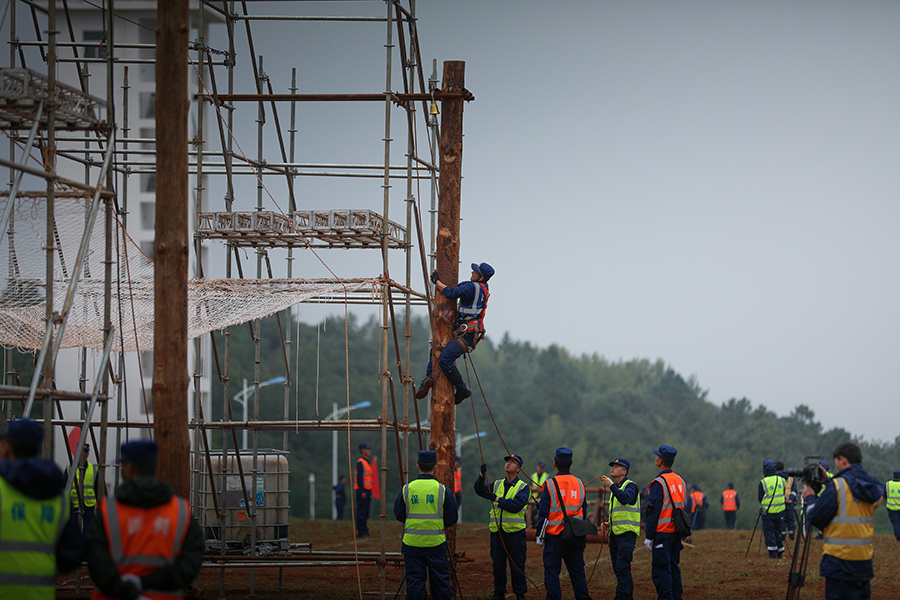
<point>674,499</point>
<point>729,500</point>
<point>367,475</point>
<point>572,490</point>
<point>696,500</point>
<point>457,481</point>
<point>144,540</point>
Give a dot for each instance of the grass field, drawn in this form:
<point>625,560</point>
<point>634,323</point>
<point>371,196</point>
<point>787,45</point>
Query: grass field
<point>714,567</point>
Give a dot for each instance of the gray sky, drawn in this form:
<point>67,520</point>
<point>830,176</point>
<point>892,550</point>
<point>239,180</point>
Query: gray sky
<point>709,183</point>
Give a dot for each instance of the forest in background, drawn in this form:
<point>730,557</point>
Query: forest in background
<point>540,399</point>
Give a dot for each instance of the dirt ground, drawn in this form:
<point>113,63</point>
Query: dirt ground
<point>713,567</point>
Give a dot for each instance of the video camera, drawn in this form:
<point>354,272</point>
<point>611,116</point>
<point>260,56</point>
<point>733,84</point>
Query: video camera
<point>810,473</point>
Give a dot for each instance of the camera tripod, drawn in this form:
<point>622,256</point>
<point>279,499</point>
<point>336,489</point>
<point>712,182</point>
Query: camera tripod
<point>800,559</point>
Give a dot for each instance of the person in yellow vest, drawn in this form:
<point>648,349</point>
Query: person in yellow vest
<point>86,482</point>
<point>845,511</point>
<point>426,508</point>
<point>144,543</point>
<point>623,525</point>
<point>771,507</point>
<point>508,498</point>
<point>38,535</point>
<point>362,487</point>
<point>892,493</point>
<point>551,521</point>
<point>538,479</point>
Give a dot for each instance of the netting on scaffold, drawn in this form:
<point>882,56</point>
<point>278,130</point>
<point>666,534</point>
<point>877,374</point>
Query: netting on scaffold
<point>213,304</point>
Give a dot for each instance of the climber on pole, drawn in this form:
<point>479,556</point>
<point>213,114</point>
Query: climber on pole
<point>473,297</point>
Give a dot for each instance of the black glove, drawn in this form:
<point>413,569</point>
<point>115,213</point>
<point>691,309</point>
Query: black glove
<point>483,469</point>
<point>434,276</point>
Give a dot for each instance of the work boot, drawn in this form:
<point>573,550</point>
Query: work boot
<point>426,385</point>
<point>462,393</point>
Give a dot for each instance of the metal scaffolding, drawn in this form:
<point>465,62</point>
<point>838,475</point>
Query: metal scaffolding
<point>105,158</point>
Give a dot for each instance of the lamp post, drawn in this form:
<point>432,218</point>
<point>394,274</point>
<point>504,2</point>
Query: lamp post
<point>334,444</point>
<point>243,397</point>
<point>459,443</point>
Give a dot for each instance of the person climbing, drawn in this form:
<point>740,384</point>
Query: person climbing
<point>473,297</point>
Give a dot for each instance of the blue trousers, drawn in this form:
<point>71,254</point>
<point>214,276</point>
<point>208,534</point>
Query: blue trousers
<point>665,566</point>
<point>422,563</point>
<point>772,532</point>
<point>447,360</point>
<point>555,553</point>
<point>621,551</point>
<point>730,518</point>
<point>790,523</point>
<point>362,513</point>
<point>339,508</point>
<point>894,516</point>
<point>509,547</point>
<point>843,589</point>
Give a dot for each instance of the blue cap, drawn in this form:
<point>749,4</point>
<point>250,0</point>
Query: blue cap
<point>824,464</point>
<point>541,463</point>
<point>667,453</point>
<point>896,474</point>
<point>563,455</point>
<point>26,431</point>
<point>139,451</point>
<point>427,457</point>
<point>364,447</point>
<point>459,459</point>
<point>483,269</point>
<point>621,461</point>
<point>515,457</point>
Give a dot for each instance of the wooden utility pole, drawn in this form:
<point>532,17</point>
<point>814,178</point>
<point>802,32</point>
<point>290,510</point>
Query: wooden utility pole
<point>443,407</point>
<point>170,249</point>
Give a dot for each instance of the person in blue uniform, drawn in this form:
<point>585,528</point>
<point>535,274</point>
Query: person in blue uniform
<point>426,508</point>
<point>508,498</point>
<point>473,297</point>
<point>789,520</point>
<point>667,493</point>
<point>771,508</point>
<point>892,496</point>
<point>340,497</point>
<point>845,510</point>
<point>40,536</point>
<point>623,525</point>
<point>362,489</point>
<point>556,551</point>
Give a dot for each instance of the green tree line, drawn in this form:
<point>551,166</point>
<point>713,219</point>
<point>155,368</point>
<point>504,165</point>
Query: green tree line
<point>528,400</point>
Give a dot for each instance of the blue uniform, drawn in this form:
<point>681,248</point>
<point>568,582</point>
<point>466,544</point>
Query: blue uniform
<point>422,561</point>
<point>340,499</point>
<point>789,521</point>
<point>665,565</point>
<point>363,501</point>
<point>556,552</point>
<point>467,293</point>
<point>845,579</point>
<point>506,546</point>
<point>621,546</point>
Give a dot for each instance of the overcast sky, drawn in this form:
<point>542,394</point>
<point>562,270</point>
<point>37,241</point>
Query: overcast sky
<point>709,183</point>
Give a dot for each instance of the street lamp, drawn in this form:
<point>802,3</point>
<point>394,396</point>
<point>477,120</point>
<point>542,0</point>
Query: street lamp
<point>242,398</point>
<point>334,444</point>
<point>459,442</point>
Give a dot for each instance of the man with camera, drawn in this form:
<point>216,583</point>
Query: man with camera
<point>845,510</point>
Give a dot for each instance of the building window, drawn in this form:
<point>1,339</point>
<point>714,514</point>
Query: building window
<point>94,50</point>
<point>148,184</point>
<point>148,105</point>
<point>147,36</point>
<point>148,135</point>
<point>148,215</point>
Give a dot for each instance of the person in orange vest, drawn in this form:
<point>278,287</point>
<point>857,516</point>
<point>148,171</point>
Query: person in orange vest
<point>845,510</point>
<point>699,505</point>
<point>550,523</point>
<point>667,492</point>
<point>457,482</point>
<point>362,487</point>
<point>144,542</point>
<point>730,504</point>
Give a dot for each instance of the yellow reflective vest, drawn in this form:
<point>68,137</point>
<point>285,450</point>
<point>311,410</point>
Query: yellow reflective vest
<point>510,522</point>
<point>538,481</point>
<point>624,518</point>
<point>773,501</point>
<point>86,477</point>
<point>893,494</point>
<point>424,525</point>
<point>849,535</point>
<point>29,532</point>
